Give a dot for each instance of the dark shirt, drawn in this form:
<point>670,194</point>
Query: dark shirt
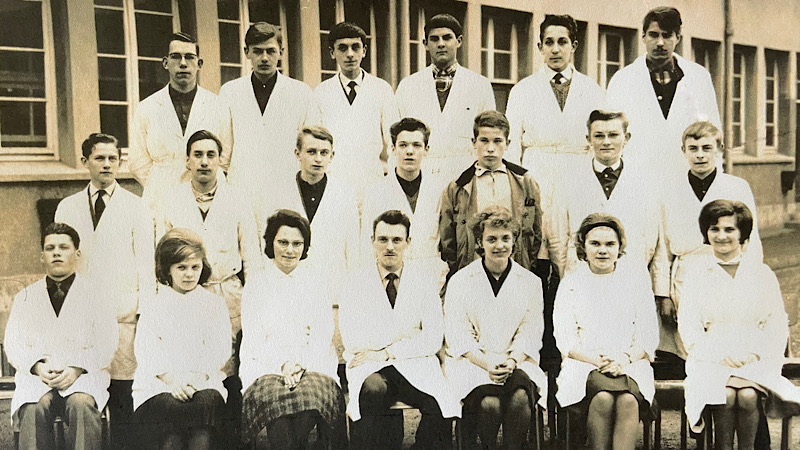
<point>411,189</point>
<point>263,90</point>
<point>183,104</point>
<point>701,186</point>
<point>311,194</point>
<point>665,83</point>
<point>608,179</point>
<point>53,287</point>
<point>496,283</point>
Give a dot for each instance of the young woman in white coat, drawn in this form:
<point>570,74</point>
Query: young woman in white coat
<point>289,364</point>
<point>605,325</point>
<point>182,341</point>
<point>493,358</point>
<point>734,326</point>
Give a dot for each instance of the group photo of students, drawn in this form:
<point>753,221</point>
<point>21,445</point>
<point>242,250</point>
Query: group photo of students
<point>302,261</point>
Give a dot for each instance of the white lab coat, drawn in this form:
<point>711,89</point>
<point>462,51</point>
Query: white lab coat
<point>181,333</point>
<point>635,201</point>
<point>360,131</point>
<point>411,332</point>
<point>229,235</point>
<point>83,335</point>
<point>656,142</point>
<point>118,255</point>
<point>473,324</point>
<point>157,152</point>
<point>263,144</point>
<point>554,141</point>
<point>286,317</point>
<point>451,130</point>
<point>612,312</point>
<point>722,316</point>
<point>334,246</point>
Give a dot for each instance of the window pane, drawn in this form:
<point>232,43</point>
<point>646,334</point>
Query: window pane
<point>22,24</point>
<point>737,87</point>
<point>413,63</point>
<point>23,124</point>
<point>612,47</point>
<point>110,31</point>
<point>611,69</point>
<point>770,66</point>
<point>357,11</point>
<point>228,9</point>
<point>770,89</point>
<point>502,66</point>
<point>737,135</point>
<point>327,14</point>
<point>485,29</point>
<point>152,77</point>
<point>485,63</point>
<point>737,111</point>
<point>230,73</point>
<point>21,74</point>
<point>114,121</point>
<point>164,6</point>
<point>502,35</point>
<point>152,33</point>
<point>109,3</point>
<point>328,63</point>
<point>264,11</point>
<point>112,79</point>
<point>229,45</point>
<point>501,92</point>
<point>737,63</point>
<point>413,23</point>
<point>770,113</point>
<point>325,76</point>
<point>770,136</point>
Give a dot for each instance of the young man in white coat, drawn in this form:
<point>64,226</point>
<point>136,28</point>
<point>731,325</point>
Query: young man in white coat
<point>607,184</point>
<point>61,336</point>
<point>327,202</point>
<point>357,108</point>
<point>391,323</point>
<point>116,229</point>
<point>409,190</point>
<point>163,121</point>
<point>266,111</point>
<point>662,93</point>
<point>447,97</point>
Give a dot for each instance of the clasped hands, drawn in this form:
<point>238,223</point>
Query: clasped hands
<point>739,360</point>
<point>183,385</point>
<point>291,373</point>
<point>611,363</point>
<point>56,377</point>
<point>500,366</point>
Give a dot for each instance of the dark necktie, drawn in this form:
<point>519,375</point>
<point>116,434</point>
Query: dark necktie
<point>391,289</point>
<point>351,96</point>
<point>561,89</point>
<point>558,78</point>
<point>99,206</point>
<point>58,299</point>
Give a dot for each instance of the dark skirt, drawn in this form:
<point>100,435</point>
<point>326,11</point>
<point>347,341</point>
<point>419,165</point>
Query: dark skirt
<point>163,414</point>
<point>598,382</point>
<point>268,399</point>
<point>517,380</point>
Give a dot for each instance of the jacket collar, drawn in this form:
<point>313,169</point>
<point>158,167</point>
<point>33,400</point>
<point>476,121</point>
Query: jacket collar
<point>469,174</point>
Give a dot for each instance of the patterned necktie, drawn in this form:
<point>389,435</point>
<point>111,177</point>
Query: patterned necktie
<point>558,78</point>
<point>58,298</point>
<point>391,289</point>
<point>560,88</point>
<point>99,206</point>
<point>351,96</point>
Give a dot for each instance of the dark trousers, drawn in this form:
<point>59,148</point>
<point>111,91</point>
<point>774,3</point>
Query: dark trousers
<point>79,411</point>
<point>382,428</point>
<point>120,411</point>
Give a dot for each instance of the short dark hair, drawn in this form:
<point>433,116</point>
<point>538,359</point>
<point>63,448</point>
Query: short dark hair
<point>202,135</point>
<point>495,217</point>
<point>491,119</point>
<point>392,217</point>
<point>184,37</point>
<point>175,246</point>
<point>711,213</point>
<point>409,124</point>
<point>62,228</point>
<point>262,31</point>
<point>701,129</point>
<point>316,131</point>
<point>599,115</point>
<point>667,17</point>
<point>593,221</point>
<point>286,218</point>
<point>98,138</point>
<point>444,21</point>
<point>344,30</point>
<point>564,20</point>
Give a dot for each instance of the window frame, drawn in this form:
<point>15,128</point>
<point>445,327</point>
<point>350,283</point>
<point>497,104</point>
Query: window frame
<point>740,59</point>
<point>421,55</point>
<point>602,55</point>
<point>771,60</point>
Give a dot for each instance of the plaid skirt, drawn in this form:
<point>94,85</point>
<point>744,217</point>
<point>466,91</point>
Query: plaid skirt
<point>268,399</point>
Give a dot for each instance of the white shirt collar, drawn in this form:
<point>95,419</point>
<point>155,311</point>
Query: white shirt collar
<point>109,190</point>
<point>566,73</point>
<point>345,81</point>
<point>383,272</point>
<point>733,261</point>
<point>599,167</point>
<point>480,170</point>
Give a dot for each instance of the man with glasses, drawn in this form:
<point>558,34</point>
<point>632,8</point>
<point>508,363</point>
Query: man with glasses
<point>164,121</point>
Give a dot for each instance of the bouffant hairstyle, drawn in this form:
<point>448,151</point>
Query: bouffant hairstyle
<point>286,218</point>
<point>175,246</point>
<point>494,217</point>
<point>593,221</point>
<point>711,213</point>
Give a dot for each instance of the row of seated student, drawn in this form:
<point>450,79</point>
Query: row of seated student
<point>61,337</point>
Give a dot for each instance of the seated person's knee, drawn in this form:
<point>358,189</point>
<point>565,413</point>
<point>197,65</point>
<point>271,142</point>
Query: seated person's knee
<point>520,400</point>
<point>490,405</point>
<point>374,386</point>
<point>747,399</point>
<point>602,401</point>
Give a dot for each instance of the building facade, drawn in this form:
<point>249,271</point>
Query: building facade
<point>70,68</point>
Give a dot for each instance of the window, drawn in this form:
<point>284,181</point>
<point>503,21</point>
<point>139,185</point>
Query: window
<point>499,53</point>
<point>234,18</point>
<point>27,91</point>
<point>131,38</point>
<point>610,56</point>
<point>771,96</point>
<point>359,12</point>
<point>419,57</point>
<point>706,53</point>
<point>738,99</point>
